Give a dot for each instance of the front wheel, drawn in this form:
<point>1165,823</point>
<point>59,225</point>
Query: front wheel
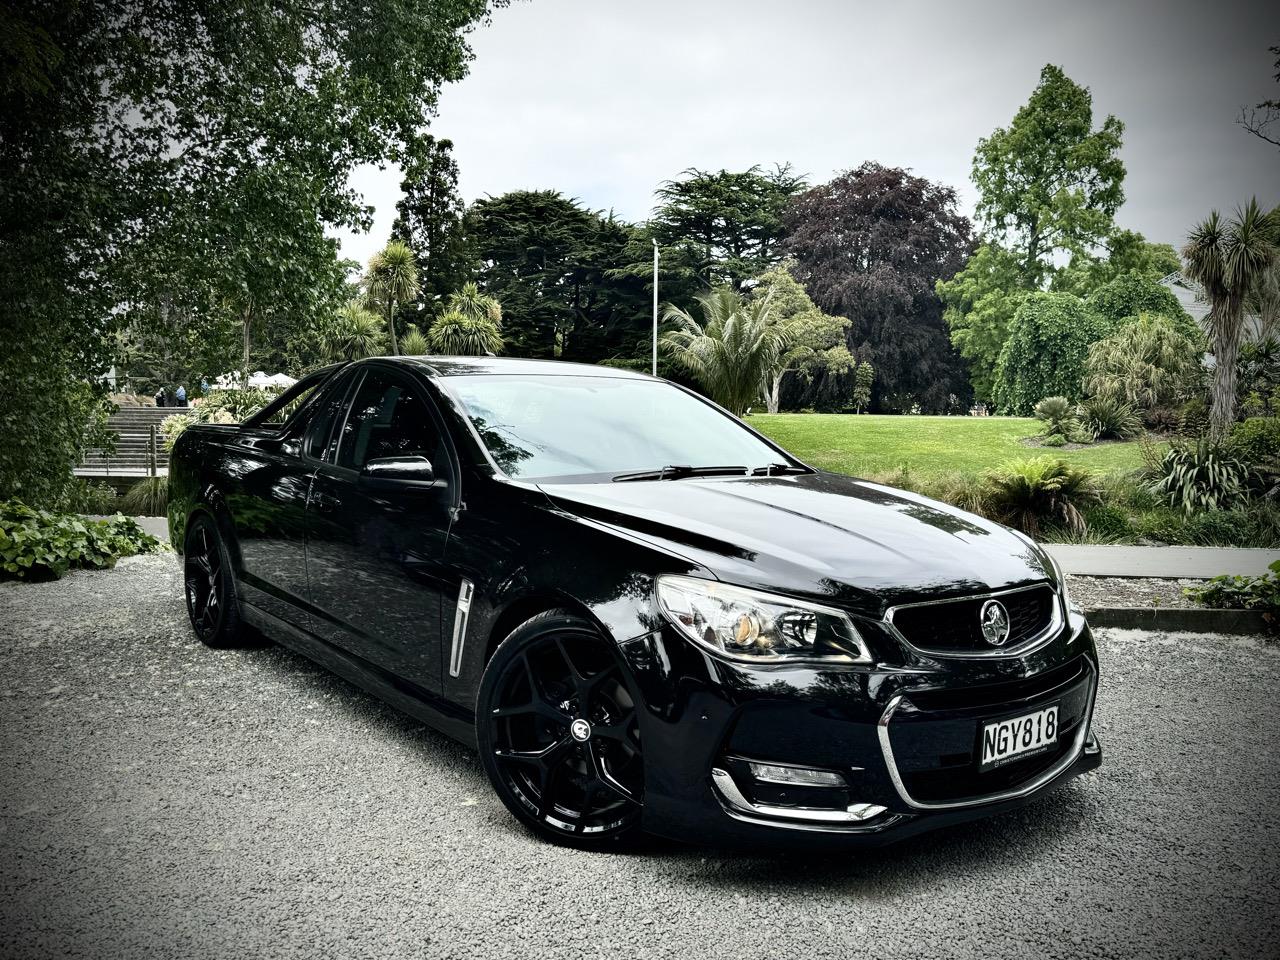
<point>559,734</point>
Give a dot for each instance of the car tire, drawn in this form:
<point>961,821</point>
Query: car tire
<point>557,725</point>
<point>209,587</point>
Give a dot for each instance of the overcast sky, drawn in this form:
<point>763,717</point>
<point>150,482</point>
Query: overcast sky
<point>603,99</point>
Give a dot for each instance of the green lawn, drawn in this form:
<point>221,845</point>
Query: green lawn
<point>927,446</point>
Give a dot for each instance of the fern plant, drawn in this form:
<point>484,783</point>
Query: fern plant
<point>1028,494</point>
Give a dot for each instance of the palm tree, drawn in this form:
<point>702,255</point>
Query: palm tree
<point>733,351</point>
<point>459,335</point>
<point>414,343</point>
<point>1229,260</point>
<point>356,332</point>
<point>470,302</point>
<point>393,279</point>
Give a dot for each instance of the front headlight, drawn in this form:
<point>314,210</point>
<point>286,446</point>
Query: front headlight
<point>1053,562</point>
<point>758,627</point>
<point>1062,582</point>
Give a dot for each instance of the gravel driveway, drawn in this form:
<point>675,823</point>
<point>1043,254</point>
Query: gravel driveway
<point>165,800</point>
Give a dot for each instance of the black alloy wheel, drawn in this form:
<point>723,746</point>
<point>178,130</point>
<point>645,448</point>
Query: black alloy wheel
<point>559,732</point>
<point>211,601</point>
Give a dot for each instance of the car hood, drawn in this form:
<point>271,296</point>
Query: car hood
<point>819,535</point>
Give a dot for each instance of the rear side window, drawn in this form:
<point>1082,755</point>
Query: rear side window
<point>321,440</point>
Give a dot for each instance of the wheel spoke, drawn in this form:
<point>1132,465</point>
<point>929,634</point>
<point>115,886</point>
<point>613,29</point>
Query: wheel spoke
<point>588,801</point>
<point>546,756</point>
<point>610,782</point>
<point>536,707</point>
<point>620,730</point>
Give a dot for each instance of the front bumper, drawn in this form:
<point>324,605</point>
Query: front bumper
<point>902,736</point>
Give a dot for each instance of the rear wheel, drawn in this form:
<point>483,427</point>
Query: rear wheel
<point>559,734</point>
<point>211,599</point>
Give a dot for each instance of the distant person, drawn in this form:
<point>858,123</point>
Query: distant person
<point>182,395</point>
<point>160,397</point>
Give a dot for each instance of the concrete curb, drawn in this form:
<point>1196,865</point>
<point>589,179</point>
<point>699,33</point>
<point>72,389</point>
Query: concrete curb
<point>1181,619</point>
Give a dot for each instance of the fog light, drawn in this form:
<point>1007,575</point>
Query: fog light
<point>795,776</point>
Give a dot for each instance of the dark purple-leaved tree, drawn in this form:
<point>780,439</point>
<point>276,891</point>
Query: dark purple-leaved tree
<point>870,245</point>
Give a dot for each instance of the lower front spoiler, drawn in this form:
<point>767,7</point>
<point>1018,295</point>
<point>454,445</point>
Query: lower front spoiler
<point>720,822</point>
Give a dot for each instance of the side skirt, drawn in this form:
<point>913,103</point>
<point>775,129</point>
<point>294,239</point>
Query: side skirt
<point>449,718</point>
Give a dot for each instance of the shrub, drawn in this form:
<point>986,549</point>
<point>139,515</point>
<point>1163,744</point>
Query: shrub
<point>1044,354</point>
<point>236,405</point>
<point>1104,417</point>
<point>1132,294</point>
<point>1054,440</point>
<point>147,498</point>
<point>1194,415</point>
<point>1057,415</point>
<point>1028,494</point>
<point>1243,593</point>
<point>1146,363</point>
<point>171,428</point>
<point>626,363</point>
<point>1256,440</point>
<point>85,497</point>
<point>1199,476</point>
<point>1107,522</point>
<point>413,343</point>
<point>40,545</point>
<point>1162,419</point>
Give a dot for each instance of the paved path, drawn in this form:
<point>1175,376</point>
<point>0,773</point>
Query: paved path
<point>1163,562</point>
<point>164,800</point>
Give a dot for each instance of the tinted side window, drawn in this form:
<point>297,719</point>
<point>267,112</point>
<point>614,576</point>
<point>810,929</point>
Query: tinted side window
<point>321,440</point>
<point>389,419</point>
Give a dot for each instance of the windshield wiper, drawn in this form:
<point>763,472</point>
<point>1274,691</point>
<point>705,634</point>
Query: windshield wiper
<point>777,470</point>
<point>679,471</point>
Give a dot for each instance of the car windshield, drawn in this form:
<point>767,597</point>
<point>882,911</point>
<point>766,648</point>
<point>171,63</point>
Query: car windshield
<point>536,427</point>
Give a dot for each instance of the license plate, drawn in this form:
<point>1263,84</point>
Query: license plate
<point>1017,737</point>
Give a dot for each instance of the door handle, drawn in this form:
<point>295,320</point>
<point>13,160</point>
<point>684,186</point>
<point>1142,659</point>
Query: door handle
<point>325,503</point>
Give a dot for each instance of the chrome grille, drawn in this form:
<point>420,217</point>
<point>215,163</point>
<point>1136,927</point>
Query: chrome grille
<point>955,626</point>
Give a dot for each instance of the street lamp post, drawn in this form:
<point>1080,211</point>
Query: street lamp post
<point>655,308</point>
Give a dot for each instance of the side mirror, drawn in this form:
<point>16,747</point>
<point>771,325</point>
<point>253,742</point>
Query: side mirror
<point>291,448</point>
<point>398,470</point>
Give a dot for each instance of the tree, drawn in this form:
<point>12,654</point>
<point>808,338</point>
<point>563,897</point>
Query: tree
<point>429,222</point>
<point>1050,181</point>
<point>1130,294</point>
<point>561,274</point>
<point>1128,252</point>
<point>870,246</point>
<point>1230,259</point>
<point>864,380</point>
<point>131,132</point>
<point>462,335</point>
<point>733,350</point>
<point>723,227</point>
<point>1044,356</point>
<point>1148,364</point>
<point>979,305</point>
<point>393,280</point>
<point>817,339</point>
<point>354,333</point>
<point>1263,121</point>
<point>473,304</point>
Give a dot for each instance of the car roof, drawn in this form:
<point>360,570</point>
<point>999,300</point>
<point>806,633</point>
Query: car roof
<point>491,366</point>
